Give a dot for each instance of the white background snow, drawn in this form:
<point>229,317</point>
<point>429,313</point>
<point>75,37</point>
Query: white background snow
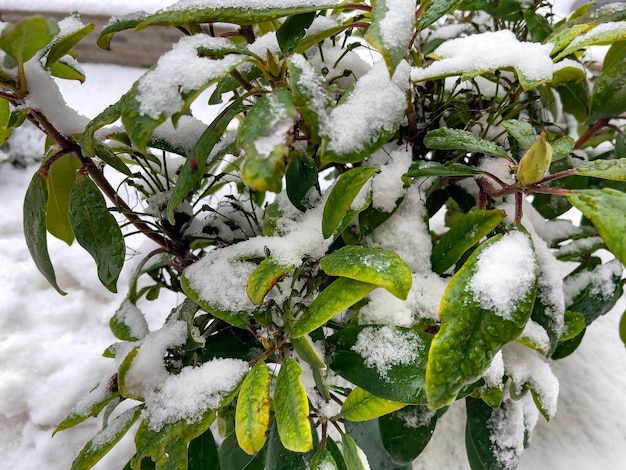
<point>50,345</point>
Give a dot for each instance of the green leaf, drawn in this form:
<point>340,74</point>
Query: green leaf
<point>521,131</point>
<point>366,436</point>
<point>176,15</point>
<point>575,98</point>
<point>117,24</point>
<point>352,454</point>
<point>168,447</point>
<point>427,168</point>
<point>67,69</point>
<point>435,9</point>
<point>574,324</point>
<point>466,233</point>
<point>5,116</point>
<point>279,458</point>
<point>405,433</point>
<point>338,207</point>
<point>340,295</point>
<point>24,39</point>
<point>398,375</point>
<point>291,407</point>
<point>445,138</point>
<point>110,114</point>
<point>608,97</point>
<point>306,351</point>
<point>474,325</point>
<point>97,230</point>
<point>95,401</point>
<point>104,153</point>
<point>61,177</point>
<point>34,216</point>
<point>333,448</point>
<point>231,457</point>
<point>605,208</point>
<point>562,147</point>
<point>373,265</point>
<point>301,178</point>
<point>361,405</point>
<point>252,415</point>
<point>106,439</point>
<point>65,44</point>
<point>265,136</point>
<point>561,39</point>
<point>128,323</point>
<point>538,25</point>
<point>203,453</point>
<point>202,157</point>
<point>607,169</point>
<point>264,278</point>
<point>293,30</point>
<point>391,30</point>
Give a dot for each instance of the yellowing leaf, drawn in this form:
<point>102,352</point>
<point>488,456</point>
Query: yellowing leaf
<point>291,406</point>
<point>361,405</point>
<point>252,414</point>
<point>264,277</point>
<point>477,317</point>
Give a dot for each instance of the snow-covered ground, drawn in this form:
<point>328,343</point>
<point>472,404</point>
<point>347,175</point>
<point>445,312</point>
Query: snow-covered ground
<point>50,345</point>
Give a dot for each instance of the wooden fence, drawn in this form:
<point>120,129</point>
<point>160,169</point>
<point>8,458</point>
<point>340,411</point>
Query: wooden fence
<point>139,49</point>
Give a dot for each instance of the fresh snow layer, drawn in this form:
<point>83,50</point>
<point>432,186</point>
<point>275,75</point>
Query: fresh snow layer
<point>93,7</point>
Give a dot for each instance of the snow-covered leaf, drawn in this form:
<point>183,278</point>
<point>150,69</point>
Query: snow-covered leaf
<point>485,306</point>
<point>183,13</point>
<point>361,405</point>
<point>387,361</point>
<point>368,115</point>
<point>605,208</point>
<point>252,415</point>
<point>323,460</point>
<point>291,407</point>
<point>374,265</point>
<point>560,39</point>
<point>128,323</point>
<point>65,43</point>
<point>110,114</point>
<point>106,439</point>
<point>169,88</point>
<point>97,230</point>
<point>456,139</point>
<point>339,210</point>
<point>405,433</point>
<point>604,33</point>
<point>574,324</point>
<point>393,23</point>
<point>67,69</point>
<point>265,136</point>
<point>466,233</point>
<point>340,295</point>
<point>117,24</point>
<point>167,447</point>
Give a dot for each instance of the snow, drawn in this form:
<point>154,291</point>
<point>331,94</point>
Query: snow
<point>193,392</point>
<point>385,347</point>
<point>489,51</point>
<point>94,7</point>
<point>600,280</point>
<point>256,4</point>
<point>396,26</point>
<point>505,273</point>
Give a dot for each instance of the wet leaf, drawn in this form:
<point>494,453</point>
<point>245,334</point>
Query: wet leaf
<point>405,433</point>
<point>97,230</point>
<point>373,265</point>
<point>456,139</point>
<point>361,405</point>
<point>61,177</point>
<point>607,169</point>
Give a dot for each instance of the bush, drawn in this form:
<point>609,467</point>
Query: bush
<point>370,229</point>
